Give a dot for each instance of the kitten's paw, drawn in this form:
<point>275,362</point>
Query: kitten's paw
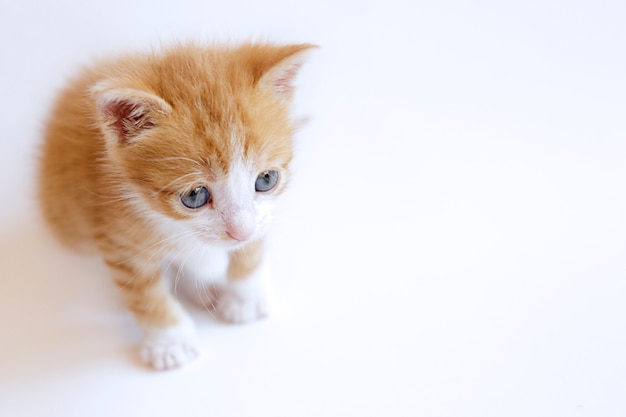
<point>169,348</point>
<point>238,308</point>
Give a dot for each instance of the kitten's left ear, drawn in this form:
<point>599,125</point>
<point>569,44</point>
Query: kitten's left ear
<point>281,76</point>
<point>126,113</point>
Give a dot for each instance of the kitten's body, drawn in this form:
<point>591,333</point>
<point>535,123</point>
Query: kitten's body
<point>163,163</point>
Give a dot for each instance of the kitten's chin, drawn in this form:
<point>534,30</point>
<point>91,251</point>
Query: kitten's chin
<point>233,244</point>
<point>225,242</point>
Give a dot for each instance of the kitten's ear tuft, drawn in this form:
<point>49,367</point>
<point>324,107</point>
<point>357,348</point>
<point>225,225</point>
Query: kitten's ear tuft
<point>281,75</point>
<point>125,113</point>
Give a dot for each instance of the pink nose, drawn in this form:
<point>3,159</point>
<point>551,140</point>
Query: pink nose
<point>240,232</point>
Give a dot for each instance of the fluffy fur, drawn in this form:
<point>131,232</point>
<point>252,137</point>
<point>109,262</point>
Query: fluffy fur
<point>128,139</point>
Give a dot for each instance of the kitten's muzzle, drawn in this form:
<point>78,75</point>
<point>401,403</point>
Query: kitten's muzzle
<point>240,225</point>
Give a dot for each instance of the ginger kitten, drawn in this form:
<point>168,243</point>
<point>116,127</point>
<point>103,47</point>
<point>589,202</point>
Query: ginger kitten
<point>170,164</point>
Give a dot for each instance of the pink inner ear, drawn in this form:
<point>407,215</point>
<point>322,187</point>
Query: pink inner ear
<point>284,82</point>
<point>127,118</point>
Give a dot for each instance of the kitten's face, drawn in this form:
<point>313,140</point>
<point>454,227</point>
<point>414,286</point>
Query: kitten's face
<point>220,189</point>
<point>204,151</point>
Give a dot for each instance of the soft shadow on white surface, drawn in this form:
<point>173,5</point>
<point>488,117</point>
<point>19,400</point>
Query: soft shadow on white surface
<point>56,307</point>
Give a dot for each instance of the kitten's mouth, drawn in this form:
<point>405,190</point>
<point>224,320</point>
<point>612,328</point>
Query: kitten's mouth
<point>231,242</point>
<point>224,241</point>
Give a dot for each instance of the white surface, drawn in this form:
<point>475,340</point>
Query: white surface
<point>454,243</point>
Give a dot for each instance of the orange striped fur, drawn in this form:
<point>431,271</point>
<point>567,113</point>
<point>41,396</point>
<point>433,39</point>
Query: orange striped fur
<point>129,137</point>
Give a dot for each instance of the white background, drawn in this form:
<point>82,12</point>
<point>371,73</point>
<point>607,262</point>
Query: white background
<point>454,242</point>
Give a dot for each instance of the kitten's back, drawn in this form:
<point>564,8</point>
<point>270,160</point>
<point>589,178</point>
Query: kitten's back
<point>68,164</point>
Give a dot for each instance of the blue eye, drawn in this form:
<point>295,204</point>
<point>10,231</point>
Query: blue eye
<point>266,181</point>
<point>196,198</point>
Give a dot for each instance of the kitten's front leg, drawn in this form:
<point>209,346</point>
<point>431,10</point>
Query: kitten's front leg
<point>169,335</point>
<point>245,297</point>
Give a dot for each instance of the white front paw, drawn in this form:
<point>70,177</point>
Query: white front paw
<point>169,348</point>
<point>243,308</point>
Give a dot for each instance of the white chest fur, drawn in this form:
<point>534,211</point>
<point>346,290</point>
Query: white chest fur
<point>198,263</point>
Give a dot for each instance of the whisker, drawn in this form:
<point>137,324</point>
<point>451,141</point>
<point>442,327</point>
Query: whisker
<point>163,242</point>
<point>111,198</point>
<point>176,237</point>
<point>176,180</point>
<point>181,267</point>
<point>201,298</point>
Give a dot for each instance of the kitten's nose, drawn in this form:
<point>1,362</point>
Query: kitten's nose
<point>240,233</point>
<point>241,227</point>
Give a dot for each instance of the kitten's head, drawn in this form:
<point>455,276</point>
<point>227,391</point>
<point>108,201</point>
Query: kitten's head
<point>202,137</point>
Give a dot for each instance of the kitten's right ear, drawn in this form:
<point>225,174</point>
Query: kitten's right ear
<point>125,113</point>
